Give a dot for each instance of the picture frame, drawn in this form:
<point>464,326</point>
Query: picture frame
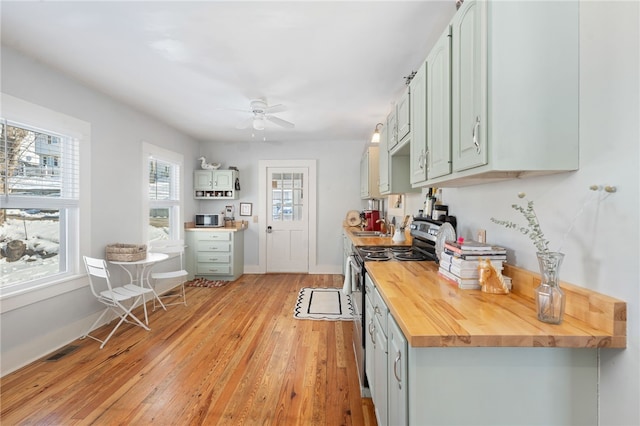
<point>245,209</point>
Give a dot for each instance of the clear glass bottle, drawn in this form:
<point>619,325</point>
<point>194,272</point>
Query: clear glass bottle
<point>550,299</point>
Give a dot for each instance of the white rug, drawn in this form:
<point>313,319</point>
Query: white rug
<point>329,304</point>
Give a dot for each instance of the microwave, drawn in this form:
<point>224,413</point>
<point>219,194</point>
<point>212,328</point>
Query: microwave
<point>208,220</point>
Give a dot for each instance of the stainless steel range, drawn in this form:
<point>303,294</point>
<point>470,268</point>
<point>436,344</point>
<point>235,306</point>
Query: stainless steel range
<point>423,232</point>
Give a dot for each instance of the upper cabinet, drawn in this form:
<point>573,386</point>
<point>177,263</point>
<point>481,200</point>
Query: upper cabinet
<point>439,107</point>
<point>431,114</point>
<point>215,184</point>
<point>418,149</point>
<point>403,112</point>
<point>515,87</point>
<point>369,166</point>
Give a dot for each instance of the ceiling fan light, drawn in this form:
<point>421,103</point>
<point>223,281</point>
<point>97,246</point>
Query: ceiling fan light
<point>258,123</point>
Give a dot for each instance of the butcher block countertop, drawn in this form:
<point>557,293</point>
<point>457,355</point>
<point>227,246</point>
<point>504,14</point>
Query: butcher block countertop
<point>433,312</point>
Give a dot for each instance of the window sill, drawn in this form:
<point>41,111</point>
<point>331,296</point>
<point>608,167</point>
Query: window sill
<point>18,298</point>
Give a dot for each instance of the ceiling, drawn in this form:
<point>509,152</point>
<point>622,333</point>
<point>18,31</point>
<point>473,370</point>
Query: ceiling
<point>336,65</point>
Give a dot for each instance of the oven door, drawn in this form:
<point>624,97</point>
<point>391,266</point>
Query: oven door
<point>357,298</point>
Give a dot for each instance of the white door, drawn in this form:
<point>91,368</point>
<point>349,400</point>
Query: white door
<point>285,233</point>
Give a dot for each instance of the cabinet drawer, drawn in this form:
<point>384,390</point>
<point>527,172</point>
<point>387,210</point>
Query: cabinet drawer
<point>380,310</point>
<point>214,258</point>
<point>213,236</point>
<point>214,246</point>
<point>213,269</point>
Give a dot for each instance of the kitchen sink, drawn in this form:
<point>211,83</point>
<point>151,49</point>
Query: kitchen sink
<point>366,233</point>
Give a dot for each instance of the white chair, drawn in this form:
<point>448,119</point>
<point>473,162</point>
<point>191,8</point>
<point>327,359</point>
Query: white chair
<point>173,248</point>
<point>113,297</point>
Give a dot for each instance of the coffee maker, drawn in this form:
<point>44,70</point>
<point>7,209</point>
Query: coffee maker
<point>372,217</point>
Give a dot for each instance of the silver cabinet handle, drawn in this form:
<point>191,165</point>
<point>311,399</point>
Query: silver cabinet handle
<point>395,370</point>
<point>474,134</point>
<point>426,159</point>
<point>421,161</point>
<point>372,329</point>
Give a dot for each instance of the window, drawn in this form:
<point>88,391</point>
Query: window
<point>39,186</point>
<point>164,170</point>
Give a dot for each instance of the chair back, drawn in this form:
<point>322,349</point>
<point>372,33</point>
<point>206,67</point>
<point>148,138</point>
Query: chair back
<point>98,272</point>
<point>170,247</point>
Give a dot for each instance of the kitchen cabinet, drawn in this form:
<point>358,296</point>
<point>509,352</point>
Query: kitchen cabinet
<point>215,253</point>
<point>392,126</point>
<point>514,91</point>
<point>369,331</point>
<point>456,358</point>
<point>215,184</point>
<point>369,173</point>
<point>394,167</point>
<point>397,380</point>
<point>418,147</point>
<point>439,108</point>
<point>376,349</point>
<point>384,186</point>
<point>403,116</point>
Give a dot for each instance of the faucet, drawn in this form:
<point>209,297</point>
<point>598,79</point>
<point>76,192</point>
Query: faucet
<point>384,228</point>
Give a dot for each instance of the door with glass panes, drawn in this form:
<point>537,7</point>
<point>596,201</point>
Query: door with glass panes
<point>287,230</point>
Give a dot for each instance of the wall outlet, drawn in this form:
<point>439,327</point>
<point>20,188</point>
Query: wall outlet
<point>255,219</point>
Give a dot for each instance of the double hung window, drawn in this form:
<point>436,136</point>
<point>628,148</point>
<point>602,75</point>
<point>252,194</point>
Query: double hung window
<point>39,205</point>
<point>164,171</point>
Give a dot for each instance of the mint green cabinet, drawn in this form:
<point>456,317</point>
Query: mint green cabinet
<point>418,148</point>
<point>514,91</point>
<point>439,107</point>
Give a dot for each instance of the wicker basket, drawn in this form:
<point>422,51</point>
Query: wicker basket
<point>126,252</point>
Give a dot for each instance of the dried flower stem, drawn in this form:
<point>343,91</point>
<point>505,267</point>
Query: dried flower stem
<point>532,230</point>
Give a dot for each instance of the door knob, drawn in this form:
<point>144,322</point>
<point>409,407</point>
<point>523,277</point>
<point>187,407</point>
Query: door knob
<point>269,230</point>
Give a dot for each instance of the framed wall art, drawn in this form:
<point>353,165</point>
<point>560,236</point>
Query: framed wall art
<point>245,209</point>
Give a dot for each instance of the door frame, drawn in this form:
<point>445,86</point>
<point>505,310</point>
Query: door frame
<point>310,165</point>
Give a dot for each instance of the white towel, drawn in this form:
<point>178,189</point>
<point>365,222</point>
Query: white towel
<point>346,288</point>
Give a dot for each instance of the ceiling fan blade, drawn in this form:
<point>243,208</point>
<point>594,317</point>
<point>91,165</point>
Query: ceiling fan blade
<point>280,122</point>
<point>275,108</point>
<point>245,124</point>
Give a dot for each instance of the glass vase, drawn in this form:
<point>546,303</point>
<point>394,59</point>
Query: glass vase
<point>550,298</point>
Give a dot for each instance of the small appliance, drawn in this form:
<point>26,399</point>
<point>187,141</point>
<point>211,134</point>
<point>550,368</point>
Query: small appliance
<point>209,220</point>
<point>372,217</point>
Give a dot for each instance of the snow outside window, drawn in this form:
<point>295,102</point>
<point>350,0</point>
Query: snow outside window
<point>39,206</point>
<point>164,196</point>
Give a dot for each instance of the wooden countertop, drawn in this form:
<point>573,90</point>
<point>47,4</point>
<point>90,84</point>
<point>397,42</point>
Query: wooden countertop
<point>375,241</point>
<point>237,226</point>
<point>433,312</point>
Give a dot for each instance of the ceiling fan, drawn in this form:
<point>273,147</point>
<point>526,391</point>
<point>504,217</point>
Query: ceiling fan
<point>262,113</point>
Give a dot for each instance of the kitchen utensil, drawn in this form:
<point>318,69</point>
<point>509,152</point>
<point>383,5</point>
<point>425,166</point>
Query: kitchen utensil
<point>353,218</point>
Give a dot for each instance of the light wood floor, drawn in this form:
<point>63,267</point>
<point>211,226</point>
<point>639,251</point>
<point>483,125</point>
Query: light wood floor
<point>234,355</point>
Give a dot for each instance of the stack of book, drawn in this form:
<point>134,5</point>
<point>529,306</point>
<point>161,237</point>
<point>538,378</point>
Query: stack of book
<point>459,262</point>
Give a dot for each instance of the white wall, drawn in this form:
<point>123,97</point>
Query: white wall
<point>117,133</point>
<point>338,168</point>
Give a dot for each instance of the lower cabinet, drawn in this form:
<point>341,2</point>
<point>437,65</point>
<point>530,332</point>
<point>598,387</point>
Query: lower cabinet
<point>397,389</point>
<point>215,254</point>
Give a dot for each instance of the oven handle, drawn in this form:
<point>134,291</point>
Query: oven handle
<point>355,265</point>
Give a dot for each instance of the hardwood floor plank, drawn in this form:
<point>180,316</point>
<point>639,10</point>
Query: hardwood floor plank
<point>234,355</point>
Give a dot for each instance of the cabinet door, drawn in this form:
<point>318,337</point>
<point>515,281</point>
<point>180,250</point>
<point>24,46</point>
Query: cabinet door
<point>364,175</point>
<point>379,393</point>
<point>398,389</point>
<point>403,110</point>
<point>369,344</point>
<point>439,107</point>
<point>392,126</point>
<point>383,152</point>
<point>418,153</point>
<point>223,180</point>
<point>469,86</point>
<point>203,180</point>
